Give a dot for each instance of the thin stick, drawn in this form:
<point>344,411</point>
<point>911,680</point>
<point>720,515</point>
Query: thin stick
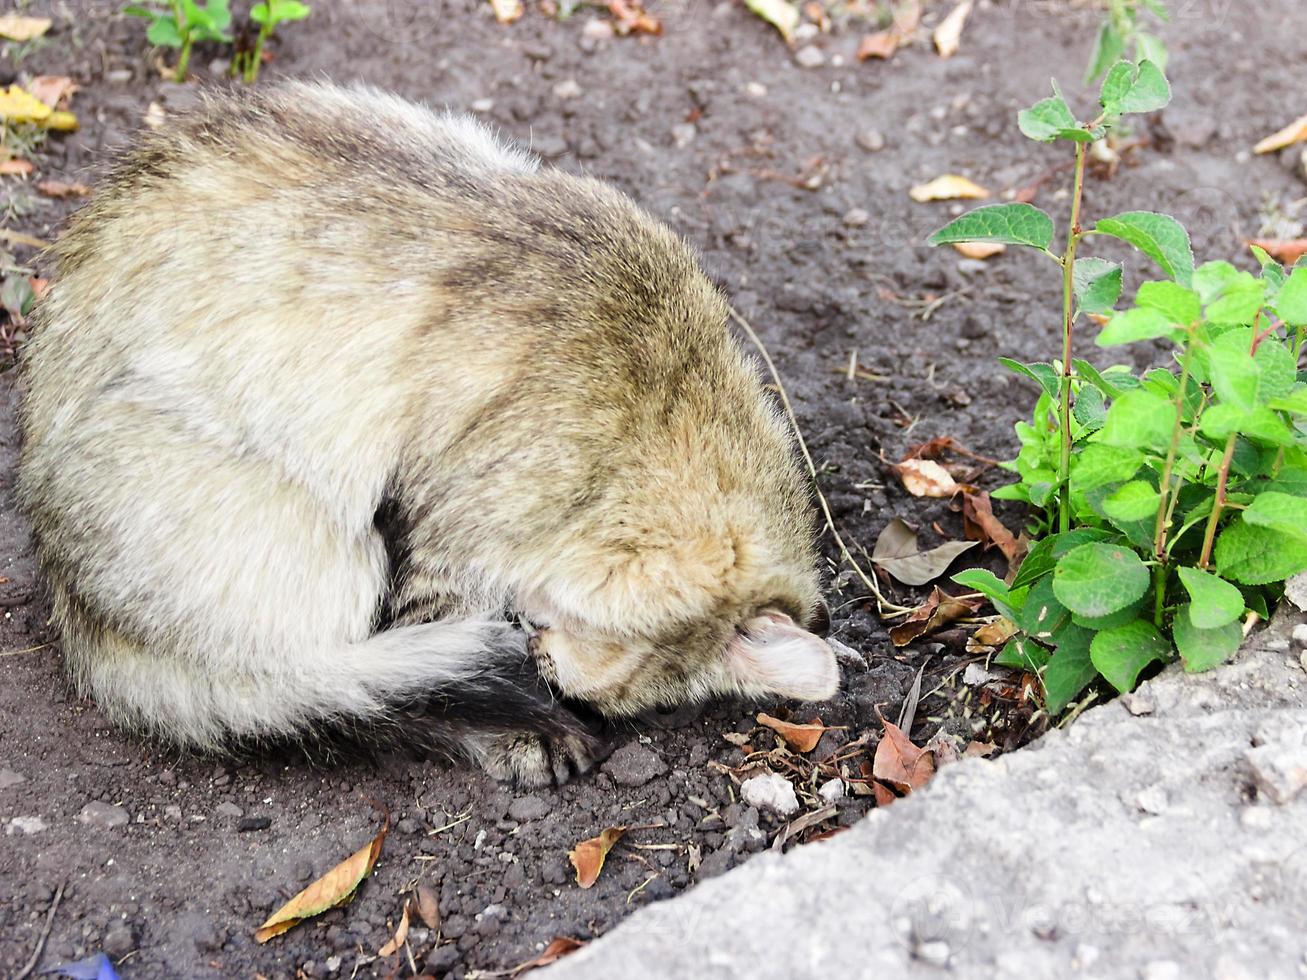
<point>45,933</point>
<point>18,238</point>
<point>14,653</point>
<point>881,602</point>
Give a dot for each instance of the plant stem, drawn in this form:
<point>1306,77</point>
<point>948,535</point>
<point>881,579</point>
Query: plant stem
<point>255,58</point>
<point>1163,510</point>
<point>183,60</point>
<point>1074,234</point>
<point>1218,504</point>
<point>1159,593</point>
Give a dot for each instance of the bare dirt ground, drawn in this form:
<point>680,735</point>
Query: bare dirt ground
<point>792,182</point>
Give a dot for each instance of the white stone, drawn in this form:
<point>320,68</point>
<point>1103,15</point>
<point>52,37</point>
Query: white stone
<point>770,792</point>
<point>1300,634</point>
<point>24,826</point>
<point>831,790</point>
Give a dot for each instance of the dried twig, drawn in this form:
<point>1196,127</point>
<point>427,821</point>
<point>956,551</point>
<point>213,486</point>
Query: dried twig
<point>45,933</point>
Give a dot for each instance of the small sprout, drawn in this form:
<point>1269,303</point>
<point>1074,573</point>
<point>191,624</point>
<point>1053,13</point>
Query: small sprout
<point>182,24</point>
<point>269,15</point>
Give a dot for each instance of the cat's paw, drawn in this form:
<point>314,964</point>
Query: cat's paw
<point>531,760</point>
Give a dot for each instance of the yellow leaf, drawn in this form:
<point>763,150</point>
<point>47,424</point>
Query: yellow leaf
<point>926,478</point>
<point>948,35</point>
<point>1295,132</point>
<point>16,27</point>
<point>507,11</point>
<point>588,856</point>
<point>947,188</point>
<point>396,942</point>
<point>20,106</point>
<point>781,14</point>
<point>334,888</point>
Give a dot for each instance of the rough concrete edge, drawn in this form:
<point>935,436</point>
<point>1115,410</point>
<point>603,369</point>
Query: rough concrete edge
<point>653,940</point>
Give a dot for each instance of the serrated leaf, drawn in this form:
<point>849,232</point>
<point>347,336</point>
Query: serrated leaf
<point>1051,119</point>
<point>1253,555</point>
<point>1204,648</point>
<point>1122,652</point>
<point>1132,501</point>
<point>1247,380</point>
<point>1279,512</point>
<point>1070,670</point>
<point>1090,409</point>
<point>1130,326</point>
<point>1045,552</point>
<point>1099,579</point>
<point>1138,419</point>
<point>1215,602</point>
<point>1178,303</point>
<point>1042,615</point>
<point>1291,303</point>
<point>1159,236</point>
<point>1295,401</point>
<point>1096,284</point>
<point>1010,224</point>
<point>1111,383</point>
<point>1135,88</point>
<point>163,32</point>
<point>1238,300</point>
<point>1220,421</point>
<point>1039,372</point>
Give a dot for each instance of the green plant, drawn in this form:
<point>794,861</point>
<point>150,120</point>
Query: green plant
<point>269,15</point>
<point>1168,503</point>
<point>1120,34</point>
<point>182,24</point>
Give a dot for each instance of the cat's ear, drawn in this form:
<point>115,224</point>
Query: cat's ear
<point>772,655</point>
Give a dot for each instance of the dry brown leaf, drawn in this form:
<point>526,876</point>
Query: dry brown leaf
<point>980,250</point>
<point>396,942</point>
<point>60,188</point>
<point>736,738</point>
<point>896,552</point>
<point>588,856</point>
<point>935,613</point>
<point>991,635</point>
<point>16,27</point>
<point>801,738</point>
<point>1295,132</point>
<point>981,750</point>
<point>558,947</point>
<point>948,35</point>
<point>56,91</point>
<point>899,763</point>
<point>882,45</point>
<point>631,18</point>
<point>926,478</point>
<point>15,168</point>
<point>980,524</point>
<point>39,288</point>
<point>428,908</point>
<point>334,888</point>
<point>1286,250</point>
<point>948,187</point>
<point>507,11</point>
<point>883,794</point>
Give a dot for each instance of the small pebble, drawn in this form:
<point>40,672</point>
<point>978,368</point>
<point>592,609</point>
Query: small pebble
<point>871,140</point>
<point>247,824</point>
<point>683,134</point>
<point>100,814</point>
<point>634,765</point>
<point>770,791</point>
<point>1300,634</point>
<point>935,953</point>
<point>810,57</point>
<point>483,105</point>
<point>10,778</point>
<point>118,941</point>
<point>831,790</point>
<point>856,218</point>
<point>527,808</point>
<point>568,89</point>
<point>228,811</point>
<point>25,826</point>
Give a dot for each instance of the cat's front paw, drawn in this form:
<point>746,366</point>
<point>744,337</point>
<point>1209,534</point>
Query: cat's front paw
<point>531,760</point>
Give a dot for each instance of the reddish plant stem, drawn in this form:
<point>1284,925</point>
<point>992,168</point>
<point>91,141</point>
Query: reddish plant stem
<point>1074,234</point>
<point>1218,504</point>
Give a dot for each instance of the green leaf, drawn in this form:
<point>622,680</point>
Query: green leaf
<point>1122,652</point>
<point>1246,380</point>
<point>1132,501</point>
<point>1006,601</point>
<point>1159,236</point>
<point>1257,555</point>
<point>1099,579</point>
<point>1260,424</point>
<point>1112,620</point>
<point>1070,670</point>
<point>1279,512</point>
<point>1108,48</point>
<point>1238,300</point>
<point>135,10</point>
<point>1215,601</point>
<point>1045,552</point>
<point>1178,303</point>
<point>1291,303</point>
<point>1022,654</point>
<point>1009,224</point>
<point>1042,615</point>
<point>164,33</point>
<point>1295,401</point>
<point>1044,374</point>
<point>1138,420</point>
<point>1098,466</point>
<point>1134,88</point>
<point>1090,410</point>
<point>1112,382</point>
<point>1204,648</point>
<point>1135,324</point>
<point>1151,48</point>
<point>1052,119</point>
<point>1096,284</point>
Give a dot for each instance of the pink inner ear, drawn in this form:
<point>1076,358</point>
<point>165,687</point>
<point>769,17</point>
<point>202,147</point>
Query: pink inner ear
<point>774,655</point>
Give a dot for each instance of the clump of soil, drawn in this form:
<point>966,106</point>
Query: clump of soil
<point>792,183</point>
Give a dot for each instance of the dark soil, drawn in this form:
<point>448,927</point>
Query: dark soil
<point>717,129</point>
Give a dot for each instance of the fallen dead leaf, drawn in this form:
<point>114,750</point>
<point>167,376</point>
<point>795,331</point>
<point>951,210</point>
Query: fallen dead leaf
<point>16,27</point>
<point>948,35</point>
<point>17,105</point>
<point>980,250</point>
<point>881,45</point>
<point>507,11</point>
<point>982,750</point>
<point>428,908</point>
<point>781,14</point>
<point>800,824</point>
<point>897,553</point>
<point>60,188</point>
<point>558,947</point>
<point>991,635</point>
<point>15,167</point>
<point>801,738</point>
<point>1286,250</point>
<point>631,18</point>
<point>934,614</point>
<point>980,524</point>
<point>948,187</point>
<point>334,888</point>
<point>943,748</point>
<point>396,942</point>
<point>1295,132</point>
<point>56,91</point>
<point>883,794</point>
<point>588,856</point>
<point>935,448</point>
<point>926,478</point>
<point>899,763</point>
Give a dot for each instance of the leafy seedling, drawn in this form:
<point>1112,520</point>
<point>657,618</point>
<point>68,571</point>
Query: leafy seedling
<point>183,24</point>
<point>269,15</point>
